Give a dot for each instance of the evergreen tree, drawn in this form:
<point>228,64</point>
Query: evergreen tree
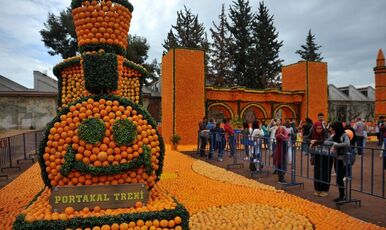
<point>170,42</point>
<point>154,72</point>
<point>220,65</point>
<point>59,34</point>
<point>265,61</point>
<point>137,52</point>
<point>187,32</point>
<point>309,51</point>
<point>241,19</point>
<point>137,49</point>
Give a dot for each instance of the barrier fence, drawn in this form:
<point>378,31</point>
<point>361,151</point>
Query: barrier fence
<point>365,175</point>
<point>15,150</point>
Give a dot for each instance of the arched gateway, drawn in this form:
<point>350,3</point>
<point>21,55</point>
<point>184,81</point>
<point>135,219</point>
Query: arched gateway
<point>185,99</point>
<point>250,104</point>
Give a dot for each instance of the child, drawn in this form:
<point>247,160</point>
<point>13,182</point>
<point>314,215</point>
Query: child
<point>246,132</point>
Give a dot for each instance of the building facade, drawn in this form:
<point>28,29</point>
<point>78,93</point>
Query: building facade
<point>348,103</point>
<point>24,108</point>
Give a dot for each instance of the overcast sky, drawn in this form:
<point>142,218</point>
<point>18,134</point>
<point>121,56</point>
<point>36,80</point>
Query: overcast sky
<point>350,32</point>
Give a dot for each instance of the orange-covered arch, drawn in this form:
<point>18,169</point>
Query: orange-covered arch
<point>287,112</point>
<point>248,104</point>
<point>218,111</point>
<point>253,111</point>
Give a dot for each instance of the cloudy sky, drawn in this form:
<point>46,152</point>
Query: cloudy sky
<point>350,32</point>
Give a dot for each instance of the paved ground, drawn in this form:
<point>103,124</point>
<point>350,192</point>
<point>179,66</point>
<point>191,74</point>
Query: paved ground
<point>17,152</point>
<point>372,209</point>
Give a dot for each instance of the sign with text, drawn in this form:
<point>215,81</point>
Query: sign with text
<point>105,196</point>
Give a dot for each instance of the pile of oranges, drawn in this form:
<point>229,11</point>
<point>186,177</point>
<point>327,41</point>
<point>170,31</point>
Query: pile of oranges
<point>16,195</point>
<point>102,22</point>
<point>248,216</point>
<point>220,174</point>
<point>63,134</point>
<point>129,81</point>
<point>198,192</point>
<point>130,88</point>
<point>140,224</point>
<point>72,85</point>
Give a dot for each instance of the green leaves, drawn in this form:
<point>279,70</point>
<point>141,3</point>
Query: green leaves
<point>107,48</point>
<point>70,164</point>
<point>92,130</point>
<point>135,66</point>
<point>100,72</point>
<point>124,132</point>
<point>65,64</point>
<point>89,222</point>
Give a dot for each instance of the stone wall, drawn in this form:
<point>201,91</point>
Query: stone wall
<point>26,111</point>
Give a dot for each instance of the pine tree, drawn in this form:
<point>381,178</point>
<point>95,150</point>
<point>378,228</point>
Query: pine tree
<point>266,64</point>
<point>220,65</point>
<point>59,34</point>
<point>137,49</point>
<point>241,19</point>
<point>154,72</point>
<point>309,52</point>
<point>170,42</point>
<point>187,32</point>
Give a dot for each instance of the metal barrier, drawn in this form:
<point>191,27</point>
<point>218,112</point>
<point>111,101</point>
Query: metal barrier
<point>366,175</point>
<point>17,149</point>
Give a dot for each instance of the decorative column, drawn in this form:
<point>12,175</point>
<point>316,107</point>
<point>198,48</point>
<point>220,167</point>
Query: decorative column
<point>380,86</point>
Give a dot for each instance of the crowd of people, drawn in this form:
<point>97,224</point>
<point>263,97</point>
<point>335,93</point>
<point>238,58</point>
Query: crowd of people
<point>332,146</point>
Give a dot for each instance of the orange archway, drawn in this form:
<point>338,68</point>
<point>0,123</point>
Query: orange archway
<point>284,112</point>
<point>252,112</point>
<point>219,111</point>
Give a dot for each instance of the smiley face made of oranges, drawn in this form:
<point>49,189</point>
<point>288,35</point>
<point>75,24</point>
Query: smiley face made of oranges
<point>102,140</point>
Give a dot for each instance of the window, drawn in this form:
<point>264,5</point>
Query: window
<point>346,92</point>
<point>364,92</point>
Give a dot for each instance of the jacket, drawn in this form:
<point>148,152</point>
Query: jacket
<point>341,150</point>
